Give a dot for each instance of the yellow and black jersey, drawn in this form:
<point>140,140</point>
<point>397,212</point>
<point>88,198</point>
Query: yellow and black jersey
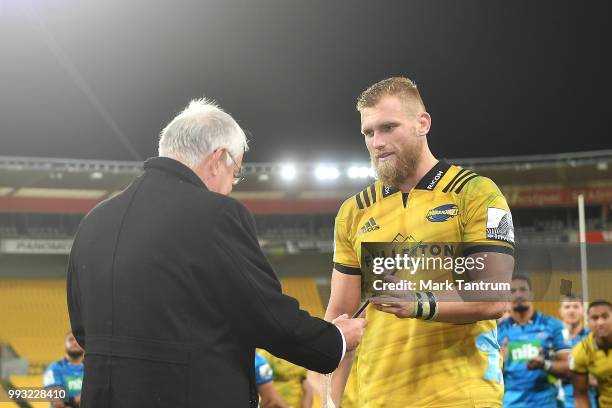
<point>409,362</point>
<point>588,357</point>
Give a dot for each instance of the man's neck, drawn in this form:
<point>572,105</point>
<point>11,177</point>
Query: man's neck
<point>574,328</point>
<point>523,317</point>
<point>604,343</point>
<point>75,361</point>
<point>427,162</point>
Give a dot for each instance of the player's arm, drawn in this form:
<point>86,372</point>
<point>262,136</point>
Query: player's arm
<point>57,402</point>
<point>581,390</point>
<point>487,238</point>
<point>559,367</point>
<point>52,380</point>
<point>269,397</point>
<point>344,299</point>
<point>458,305</point>
<point>309,388</point>
<point>578,364</point>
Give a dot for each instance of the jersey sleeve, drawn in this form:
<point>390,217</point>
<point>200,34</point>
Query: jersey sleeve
<point>263,371</point>
<point>578,361</point>
<point>52,377</point>
<point>486,218</point>
<point>345,258</point>
<point>558,339</point>
<point>501,333</point>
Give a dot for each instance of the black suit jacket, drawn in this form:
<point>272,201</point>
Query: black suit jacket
<point>169,294</point>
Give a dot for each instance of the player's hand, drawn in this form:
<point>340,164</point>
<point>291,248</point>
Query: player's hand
<point>536,363</point>
<point>397,302</point>
<point>402,308</point>
<point>352,329</point>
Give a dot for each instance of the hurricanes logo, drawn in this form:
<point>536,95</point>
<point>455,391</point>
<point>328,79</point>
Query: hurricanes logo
<point>442,213</point>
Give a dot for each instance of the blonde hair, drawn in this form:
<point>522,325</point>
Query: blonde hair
<point>402,87</point>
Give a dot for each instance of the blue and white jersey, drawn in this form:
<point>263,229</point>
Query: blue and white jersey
<point>263,371</point>
<point>541,335</point>
<point>62,374</point>
<point>568,389</point>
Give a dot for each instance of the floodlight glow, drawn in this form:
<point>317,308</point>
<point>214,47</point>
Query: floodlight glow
<point>358,172</point>
<point>324,172</point>
<point>371,172</point>
<point>288,172</point>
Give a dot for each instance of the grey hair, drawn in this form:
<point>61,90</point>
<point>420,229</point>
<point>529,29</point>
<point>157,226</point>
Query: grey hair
<point>200,129</point>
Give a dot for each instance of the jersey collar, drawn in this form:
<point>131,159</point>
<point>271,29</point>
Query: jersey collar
<point>430,180</point>
<point>533,319</point>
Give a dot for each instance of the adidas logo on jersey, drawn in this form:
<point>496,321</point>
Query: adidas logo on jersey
<point>369,226</point>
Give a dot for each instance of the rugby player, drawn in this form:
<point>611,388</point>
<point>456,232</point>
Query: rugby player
<point>66,374</point>
<point>264,375</point>
<point>420,352</point>
<point>535,350</point>
<point>593,356</point>
<point>571,312</point>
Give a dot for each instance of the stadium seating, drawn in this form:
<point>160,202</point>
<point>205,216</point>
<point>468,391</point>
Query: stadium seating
<point>4,399</point>
<point>306,292</point>
<point>34,319</point>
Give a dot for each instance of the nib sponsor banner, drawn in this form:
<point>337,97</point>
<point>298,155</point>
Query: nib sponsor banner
<point>36,246</point>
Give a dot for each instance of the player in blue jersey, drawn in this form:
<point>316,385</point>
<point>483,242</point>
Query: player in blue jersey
<point>269,398</point>
<point>529,336</point>
<point>66,374</point>
<point>572,312</point>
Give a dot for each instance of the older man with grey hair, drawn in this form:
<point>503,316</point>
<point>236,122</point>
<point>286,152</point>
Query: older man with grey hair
<point>169,292</point>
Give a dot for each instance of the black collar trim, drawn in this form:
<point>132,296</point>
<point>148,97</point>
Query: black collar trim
<point>175,167</point>
<point>433,176</point>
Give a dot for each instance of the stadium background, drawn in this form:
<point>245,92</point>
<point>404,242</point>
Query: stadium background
<point>84,84</point>
<point>42,201</point>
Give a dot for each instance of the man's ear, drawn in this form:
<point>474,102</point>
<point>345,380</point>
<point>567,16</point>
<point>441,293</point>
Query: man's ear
<point>215,161</point>
<point>424,123</point>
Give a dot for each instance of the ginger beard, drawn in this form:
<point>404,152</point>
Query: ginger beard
<point>404,165</point>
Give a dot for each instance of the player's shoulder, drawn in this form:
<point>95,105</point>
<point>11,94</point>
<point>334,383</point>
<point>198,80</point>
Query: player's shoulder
<point>585,348</point>
<point>260,360</point>
<point>586,344</point>
<point>550,322</point>
<point>468,183</point>
<point>449,178</point>
<point>59,363</point>
<point>504,325</point>
<point>364,199</point>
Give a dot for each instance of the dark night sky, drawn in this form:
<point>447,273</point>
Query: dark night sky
<point>499,78</point>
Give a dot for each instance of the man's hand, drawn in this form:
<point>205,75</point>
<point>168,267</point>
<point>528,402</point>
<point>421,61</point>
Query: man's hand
<point>536,363</point>
<point>352,329</point>
<point>397,302</point>
<point>400,307</point>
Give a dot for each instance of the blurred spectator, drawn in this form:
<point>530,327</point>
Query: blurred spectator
<point>530,341</point>
<point>290,382</point>
<point>571,312</point>
<point>66,374</point>
<point>269,398</point>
